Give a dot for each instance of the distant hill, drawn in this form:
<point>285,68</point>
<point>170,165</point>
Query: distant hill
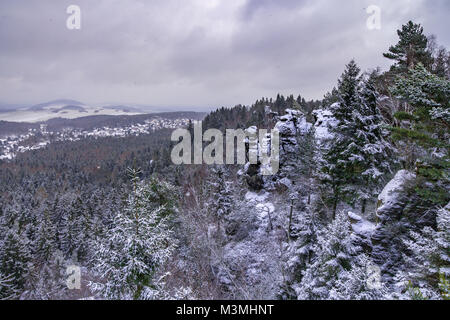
<point>5,107</point>
<point>124,108</point>
<point>56,104</point>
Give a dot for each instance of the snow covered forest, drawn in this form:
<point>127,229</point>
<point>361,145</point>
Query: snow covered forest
<point>360,208</point>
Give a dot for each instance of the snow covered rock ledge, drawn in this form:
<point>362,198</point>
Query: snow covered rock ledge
<point>361,226</point>
<point>392,198</point>
<point>397,215</point>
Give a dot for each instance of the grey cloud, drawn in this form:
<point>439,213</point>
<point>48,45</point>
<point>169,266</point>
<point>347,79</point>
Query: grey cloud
<point>194,53</point>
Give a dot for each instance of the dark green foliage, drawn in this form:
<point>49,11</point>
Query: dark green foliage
<point>424,130</point>
<point>411,48</point>
<point>357,159</point>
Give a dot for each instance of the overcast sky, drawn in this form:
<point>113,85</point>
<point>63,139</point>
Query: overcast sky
<point>195,53</point>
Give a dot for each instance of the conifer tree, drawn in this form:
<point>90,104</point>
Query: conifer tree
<point>15,258</point>
<point>7,289</point>
<point>137,245</point>
<point>334,254</point>
<point>411,48</point>
<point>428,257</point>
<point>357,284</point>
<point>440,66</point>
<point>299,252</point>
<point>45,243</point>
<point>307,164</point>
<point>70,229</point>
<point>373,135</point>
<point>343,159</point>
<point>222,200</point>
<point>423,134</point>
<point>47,279</point>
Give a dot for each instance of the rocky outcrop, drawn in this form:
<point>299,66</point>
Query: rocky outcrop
<point>290,126</point>
<point>399,211</point>
<point>395,196</point>
<point>362,231</point>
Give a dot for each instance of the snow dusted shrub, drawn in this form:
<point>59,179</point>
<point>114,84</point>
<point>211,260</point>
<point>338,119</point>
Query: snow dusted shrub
<point>137,245</point>
<point>7,289</point>
<point>428,264</point>
<point>334,252</point>
<point>299,252</point>
<point>15,259</point>
<point>358,284</point>
<point>47,280</point>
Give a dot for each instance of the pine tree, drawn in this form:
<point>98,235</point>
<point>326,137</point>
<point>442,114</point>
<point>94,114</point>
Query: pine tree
<point>331,97</point>
<point>45,243</point>
<point>15,258</point>
<point>428,260</point>
<point>411,48</point>
<point>358,158</point>
<point>70,229</point>
<point>356,283</point>
<point>7,289</point>
<point>222,199</point>
<point>377,151</point>
<point>440,66</point>
<point>85,226</point>
<point>299,252</point>
<point>307,162</point>
<point>137,245</point>
<point>47,280</point>
<point>343,160</point>
<point>334,254</point>
<point>424,133</point>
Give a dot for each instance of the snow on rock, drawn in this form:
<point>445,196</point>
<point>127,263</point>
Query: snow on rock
<point>395,189</point>
<point>291,123</point>
<point>286,182</point>
<point>398,213</point>
<point>353,216</point>
<point>364,227</point>
<point>303,126</point>
<point>263,208</point>
<point>325,121</point>
<point>290,126</point>
<point>253,197</point>
<point>360,225</point>
<point>252,130</point>
<point>286,127</point>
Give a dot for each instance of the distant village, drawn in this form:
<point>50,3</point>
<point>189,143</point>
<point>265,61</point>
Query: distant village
<point>35,139</point>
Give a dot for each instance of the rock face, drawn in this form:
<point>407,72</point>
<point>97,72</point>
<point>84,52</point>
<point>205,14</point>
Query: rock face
<point>399,212</point>
<point>362,231</point>
<point>394,197</point>
<point>324,121</point>
<point>291,126</point>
